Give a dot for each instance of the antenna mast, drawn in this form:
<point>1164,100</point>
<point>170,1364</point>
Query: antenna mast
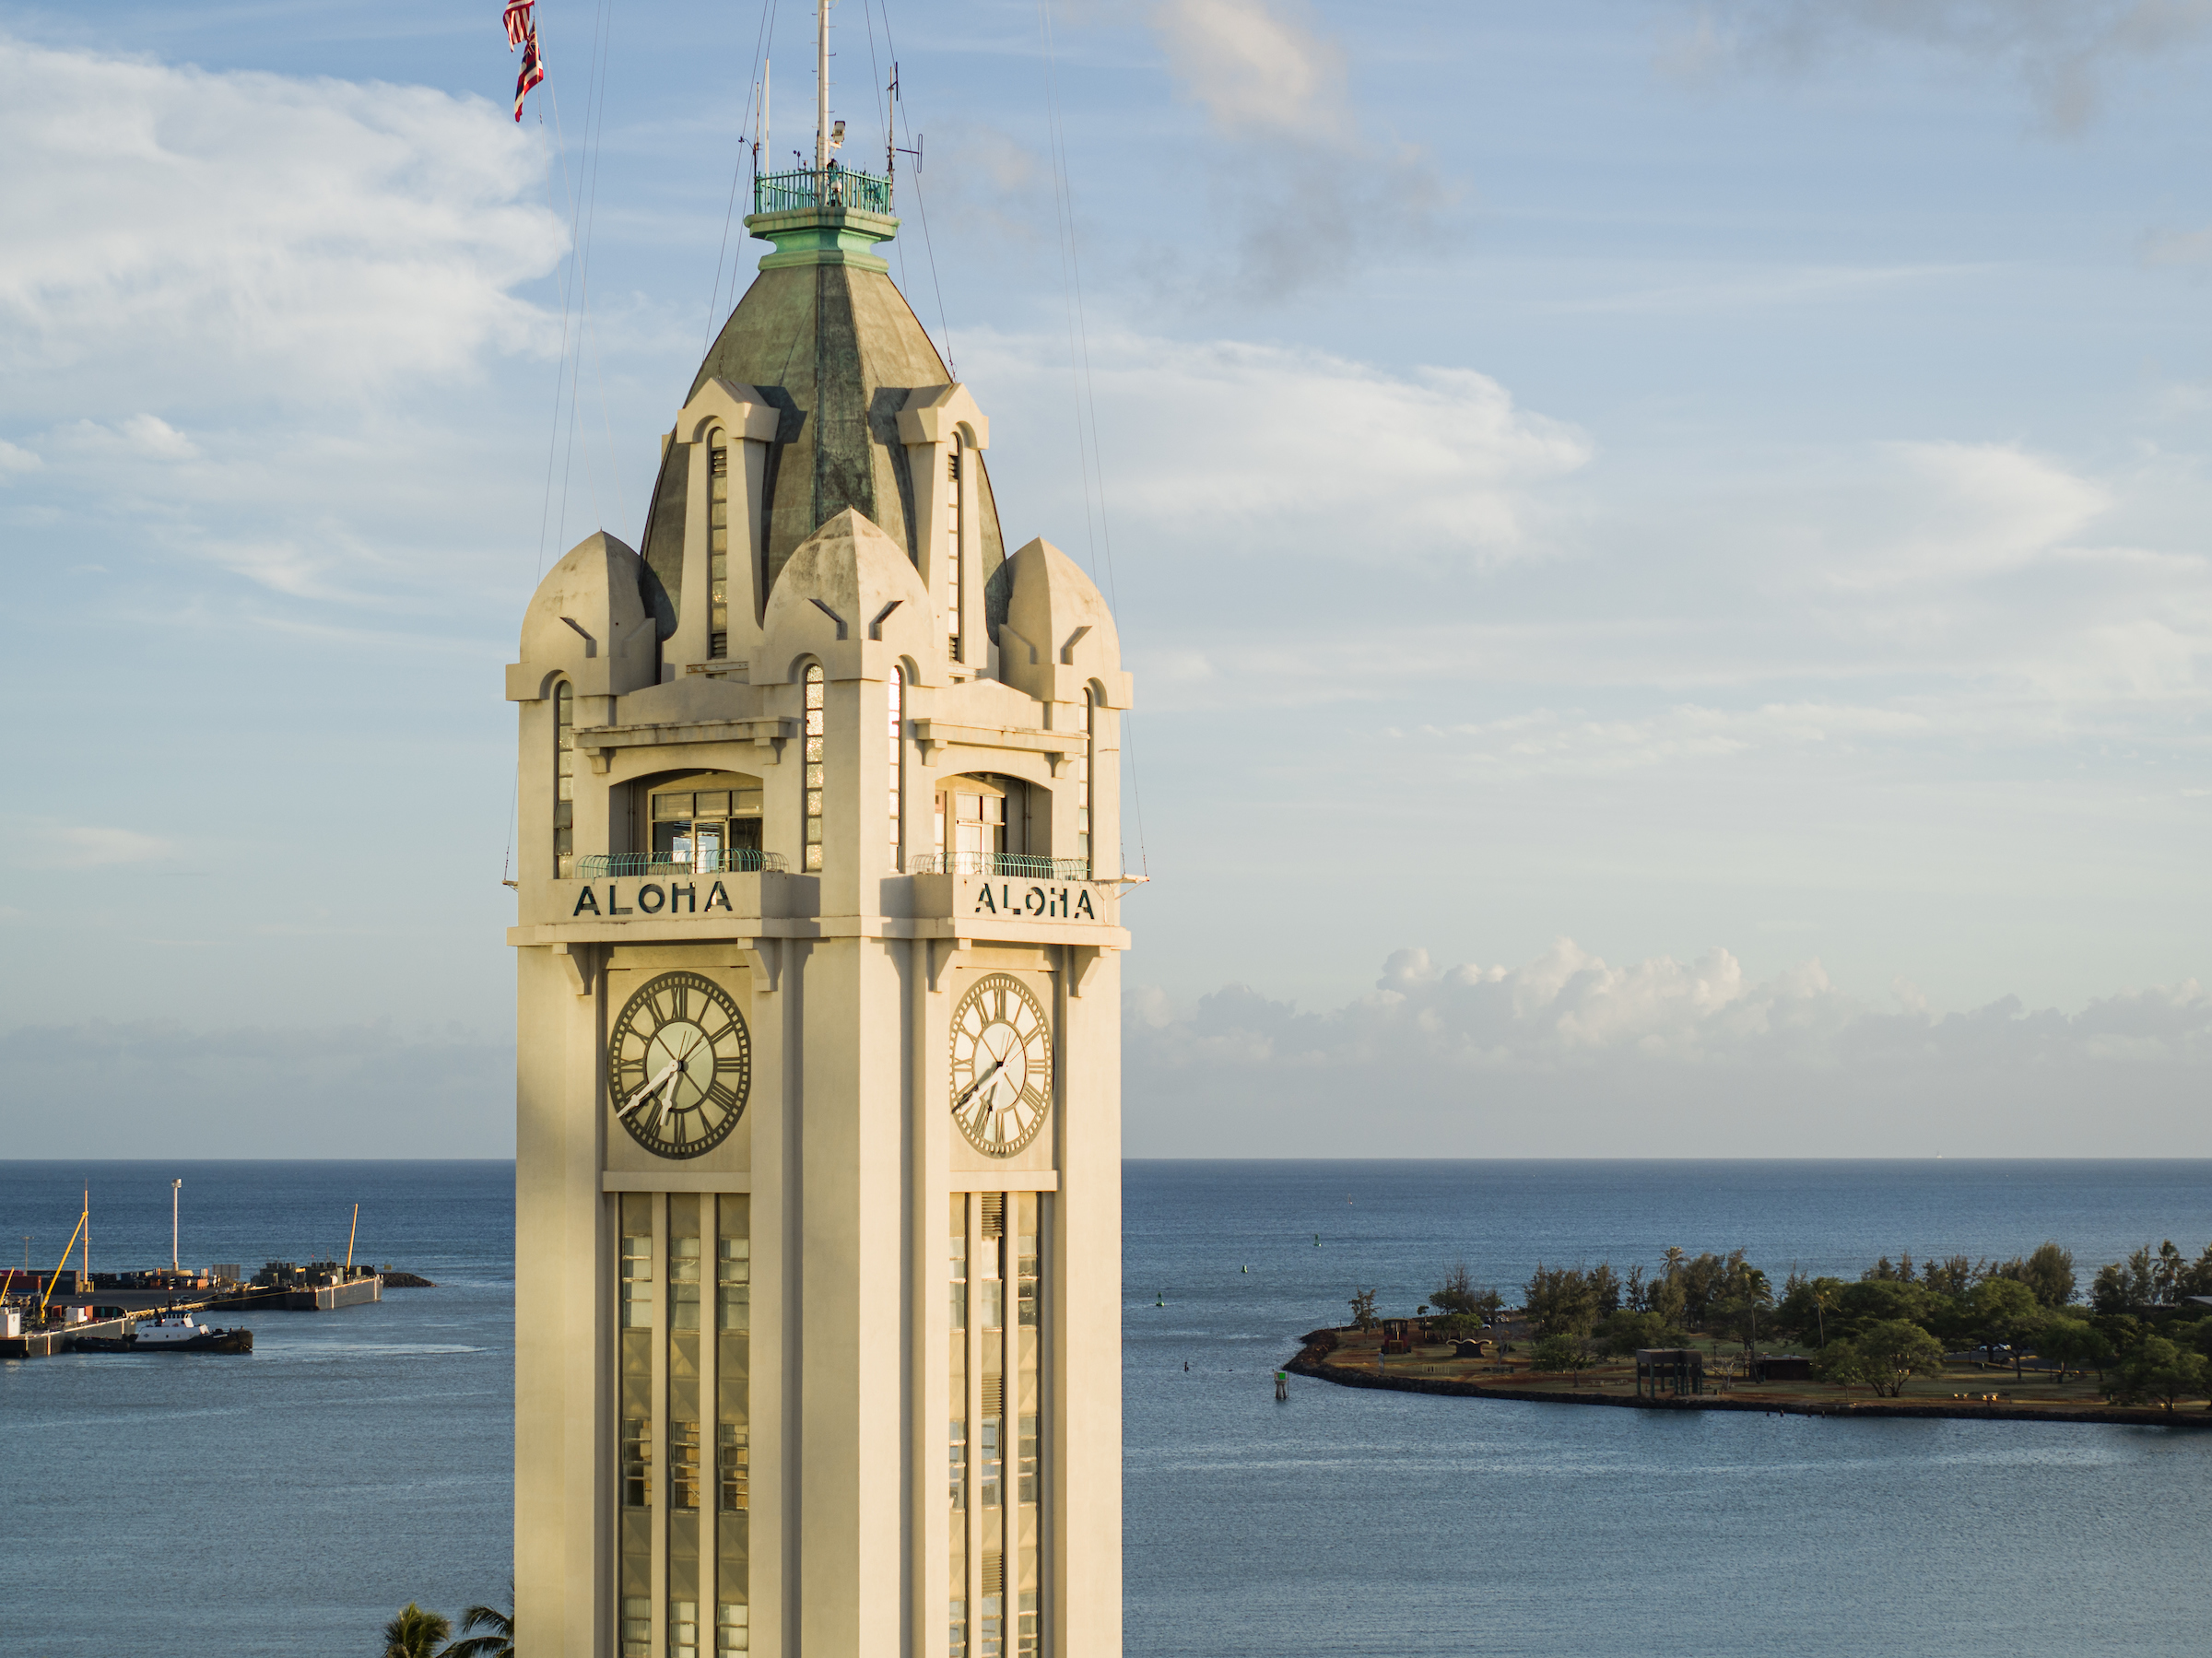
<point>821,85</point>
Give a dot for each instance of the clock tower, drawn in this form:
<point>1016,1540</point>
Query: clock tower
<point>818,1304</point>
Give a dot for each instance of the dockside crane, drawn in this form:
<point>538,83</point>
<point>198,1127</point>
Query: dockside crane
<point>83,1220</point>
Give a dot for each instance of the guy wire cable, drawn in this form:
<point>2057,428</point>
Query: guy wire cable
<point>1087,399</point>
<point>594,125</point>
<point>921,206</point>
<point>764,42</point>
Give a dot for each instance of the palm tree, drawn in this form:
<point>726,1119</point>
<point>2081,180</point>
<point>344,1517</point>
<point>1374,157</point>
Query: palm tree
<point>416,1633</point>
<point>498,1640</point>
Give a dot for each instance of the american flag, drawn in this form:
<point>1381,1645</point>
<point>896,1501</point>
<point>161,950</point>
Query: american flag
<point>519,22</point>
<point>534,70</point>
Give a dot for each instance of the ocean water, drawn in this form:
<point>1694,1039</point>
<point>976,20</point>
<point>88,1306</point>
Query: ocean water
<point>289,1503</point>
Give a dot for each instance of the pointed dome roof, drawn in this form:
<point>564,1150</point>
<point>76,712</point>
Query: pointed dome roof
<point>835,347</point>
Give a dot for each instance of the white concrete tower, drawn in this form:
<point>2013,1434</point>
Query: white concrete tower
<point>819,1084</point>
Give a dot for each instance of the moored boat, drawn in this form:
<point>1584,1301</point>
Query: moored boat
<point>170,1332</point>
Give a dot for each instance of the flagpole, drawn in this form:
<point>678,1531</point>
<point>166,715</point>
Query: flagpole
<point>821,85</point>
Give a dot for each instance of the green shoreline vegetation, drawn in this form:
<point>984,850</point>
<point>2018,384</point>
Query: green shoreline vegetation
<point>2140,1336</point>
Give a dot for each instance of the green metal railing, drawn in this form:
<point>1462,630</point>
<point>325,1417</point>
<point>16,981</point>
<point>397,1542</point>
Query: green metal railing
<point>1015,866</point>
<point>832,186</point>
<point>631,865</point>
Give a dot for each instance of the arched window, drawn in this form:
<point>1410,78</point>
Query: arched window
<point>718,543</point>
<point>816,712</point>
<point>1083,776</point>
<point>895,696</point>
<point>564,781</point>
<point>952,548</point>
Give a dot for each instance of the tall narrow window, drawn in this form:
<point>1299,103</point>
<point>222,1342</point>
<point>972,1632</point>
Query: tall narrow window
<point>958,1463</point>
<point>1083,778</point>
<point>685,1257</point>
<point>635,1406</point>
<point>683,1630</point>
<point>564,781</point>
<point>952,548</point>
<point>1025,1280</point>
<point>816,716</point>
<point>718,544</point>
<point>895,696</point>
<point>1028,1639</point>
<point>637,1462</point>
<point>732,1369</point>
<point>990,1462</point>
<point>960,1279</point>
<point>1025,1487</point>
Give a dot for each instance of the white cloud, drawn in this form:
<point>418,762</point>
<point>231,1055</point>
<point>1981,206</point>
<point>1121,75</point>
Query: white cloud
<point>13,459</point>
<point>137,437</point>
<point>1568,1055</point>
<point>1257,68</point>
<point>1266,449</point>
<point>1970,510</point>
<point>169,227</point>
<point>45,844</point>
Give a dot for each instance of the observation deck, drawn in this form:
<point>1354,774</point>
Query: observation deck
<point>822,216</point>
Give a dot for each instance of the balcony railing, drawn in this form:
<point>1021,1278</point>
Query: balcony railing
<point>631,866</point>
<point>832,186</point>
<point>1013,865</point>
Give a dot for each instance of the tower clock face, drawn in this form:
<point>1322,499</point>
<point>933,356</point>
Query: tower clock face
<point>680,1065</point>
<point>1002,1064</point>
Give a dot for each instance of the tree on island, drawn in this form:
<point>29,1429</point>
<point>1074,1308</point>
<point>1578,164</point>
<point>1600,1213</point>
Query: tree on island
<point>2075,1344</point>
<point>2048,1271</point>
<point>1892,1353</point>
<point>1744,1296</point>
<point>2006,1313</point>
<point>1560,1300</point>
<point>1460,1294</point>
<point>416,1633</point>
<point>1363,1308</point>
<point>2160,1372</point>
<point>1570,1353</point>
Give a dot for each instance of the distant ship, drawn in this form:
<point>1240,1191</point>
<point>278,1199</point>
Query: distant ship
<point>169,1333</point>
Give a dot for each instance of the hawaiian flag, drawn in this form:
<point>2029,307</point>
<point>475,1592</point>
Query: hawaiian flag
<point>519,22</point>
<point>534,70</point>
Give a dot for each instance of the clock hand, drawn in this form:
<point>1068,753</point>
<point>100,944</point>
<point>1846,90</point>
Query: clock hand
<point>969,1092</point>
<point>630,1104</point>
<point>675,1075</point>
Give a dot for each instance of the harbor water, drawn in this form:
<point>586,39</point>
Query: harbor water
<point>291,1500</point>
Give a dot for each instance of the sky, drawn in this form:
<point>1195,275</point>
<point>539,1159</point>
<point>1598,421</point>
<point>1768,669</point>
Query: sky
<point>1662,546</point>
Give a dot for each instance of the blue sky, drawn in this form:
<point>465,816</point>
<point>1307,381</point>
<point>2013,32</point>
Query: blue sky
<point>1693,514</point>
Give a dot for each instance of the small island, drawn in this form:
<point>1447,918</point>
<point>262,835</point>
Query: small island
<point>1952,1337</point>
